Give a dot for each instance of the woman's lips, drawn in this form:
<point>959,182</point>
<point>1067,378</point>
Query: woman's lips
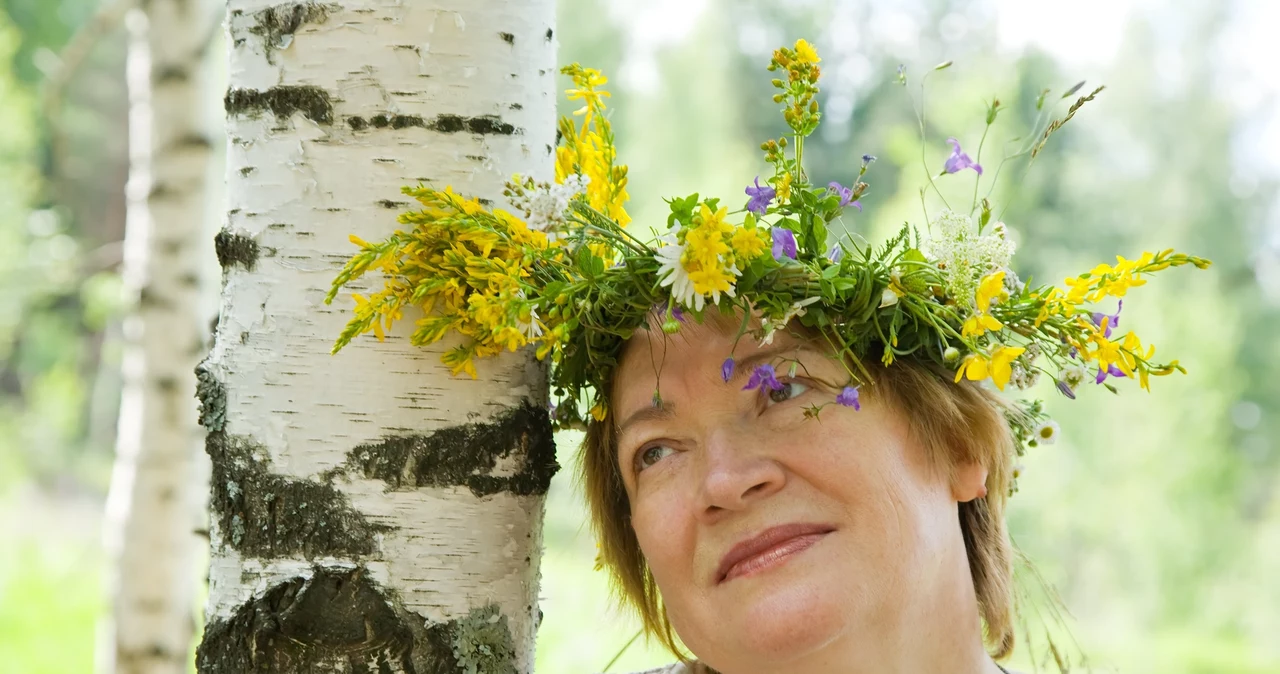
<point>768,548</point>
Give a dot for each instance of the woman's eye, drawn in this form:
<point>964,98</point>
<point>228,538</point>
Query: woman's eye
<point>651,455</point>
<point>789,390</point>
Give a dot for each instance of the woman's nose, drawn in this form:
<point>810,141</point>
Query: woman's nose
<point>738,472</point>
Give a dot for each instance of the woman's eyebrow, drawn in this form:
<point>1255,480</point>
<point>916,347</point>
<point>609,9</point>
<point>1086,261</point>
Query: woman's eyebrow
<point>648,413</point>
<point>749,363</point>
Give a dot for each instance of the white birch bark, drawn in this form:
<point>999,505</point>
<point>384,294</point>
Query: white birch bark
<point>325,493</point>
<point>154,507</point>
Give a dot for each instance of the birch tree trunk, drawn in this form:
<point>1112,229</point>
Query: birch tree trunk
<point>155,499</point>
<point>370,512</point>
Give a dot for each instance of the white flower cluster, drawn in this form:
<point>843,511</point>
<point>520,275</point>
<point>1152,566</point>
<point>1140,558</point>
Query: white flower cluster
<point>1025,374</point>
<point>964,256</point>
<point>544,204</point>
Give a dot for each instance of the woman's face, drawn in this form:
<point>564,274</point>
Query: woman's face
<point>774,538</point>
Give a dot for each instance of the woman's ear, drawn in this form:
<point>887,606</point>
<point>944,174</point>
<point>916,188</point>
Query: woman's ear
<point>969,482</point>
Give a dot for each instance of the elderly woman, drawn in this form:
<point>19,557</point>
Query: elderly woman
<point>871,540</point>
<point>796,456</point>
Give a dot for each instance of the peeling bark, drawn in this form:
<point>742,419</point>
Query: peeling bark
<point>371,513</point>
<point>155,504</point>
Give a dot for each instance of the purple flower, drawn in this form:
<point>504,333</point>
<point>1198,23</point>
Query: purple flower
<point>868,158</point>
<point>846,195</point>
<point>763,376</point>
<point>1065,390</point>
<point>835,254</point>
<point>959,161</point>
<point>784,243</point>
<point>849,397</point>
<point>676,312</point>
<point>726,369</point>
<point>760,197</point>
<point>1111,370</point>
<point>1112,319</point>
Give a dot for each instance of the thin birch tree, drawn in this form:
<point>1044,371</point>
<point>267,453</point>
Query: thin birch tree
<point>370,512</point>
<point>155,500</point>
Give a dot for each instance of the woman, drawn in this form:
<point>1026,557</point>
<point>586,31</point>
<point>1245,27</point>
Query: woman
<point>793,462</point>
<point>872,540</point>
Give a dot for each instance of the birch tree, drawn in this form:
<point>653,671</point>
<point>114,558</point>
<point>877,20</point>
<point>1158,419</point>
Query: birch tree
<point>155,500</point>
<point>370,512</point>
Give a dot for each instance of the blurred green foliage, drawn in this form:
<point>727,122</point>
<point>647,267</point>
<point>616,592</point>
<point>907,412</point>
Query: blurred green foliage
<point>1155,518</point>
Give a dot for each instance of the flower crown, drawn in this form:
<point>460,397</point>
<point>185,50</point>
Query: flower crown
<point>566,275</point>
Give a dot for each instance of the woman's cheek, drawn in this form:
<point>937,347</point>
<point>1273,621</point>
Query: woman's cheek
<point>661,511</point>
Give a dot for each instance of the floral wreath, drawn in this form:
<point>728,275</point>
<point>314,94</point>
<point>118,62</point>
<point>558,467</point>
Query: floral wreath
<point>566,274</point>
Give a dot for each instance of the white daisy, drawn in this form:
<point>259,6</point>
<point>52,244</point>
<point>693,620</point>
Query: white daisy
<point>1046,433</point>
<point>672,273</point>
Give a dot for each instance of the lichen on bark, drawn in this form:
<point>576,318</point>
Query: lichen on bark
<point>267,515</point>
<point>466,456</point>
<point>212,396</point>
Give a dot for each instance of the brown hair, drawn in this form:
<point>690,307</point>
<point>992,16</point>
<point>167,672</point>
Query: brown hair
<point>956,423</point>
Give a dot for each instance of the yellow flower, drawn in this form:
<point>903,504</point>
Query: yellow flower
<point>748,244</point>
<point>705,247</point>
<point>974,367</point>
<point>599,411</point>
<point>979,324</point>
<point>999,367</point>
<point>587,80</point>
<point>1002,364</point>
<point>784,188</point>
<point>709,280</point>
<point>565,159</point>
<point>805,53</point>
<point>991,287</point>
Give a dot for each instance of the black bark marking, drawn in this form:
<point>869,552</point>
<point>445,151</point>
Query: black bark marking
<point>244,172</point>
<point>341,621</point>
<point>265,515</point>
<point>277,25</point>
<point>466,455</point>
<point>550,34</point>
<point>236,249</point>
<point>212,396</point>
<point>389,204</point>
<point>384,120</point>
<point>508,38</point>
<point>516,106</point>
<point>283,101</point>
<point>483,125</point>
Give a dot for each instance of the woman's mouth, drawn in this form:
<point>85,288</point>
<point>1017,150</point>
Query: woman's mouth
<point>769,548</point>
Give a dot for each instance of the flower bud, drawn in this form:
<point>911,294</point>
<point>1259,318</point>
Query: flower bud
<point>951,354</point>
<point>671,326</point>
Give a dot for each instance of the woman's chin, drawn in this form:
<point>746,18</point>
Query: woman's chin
<point>779,619</point>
